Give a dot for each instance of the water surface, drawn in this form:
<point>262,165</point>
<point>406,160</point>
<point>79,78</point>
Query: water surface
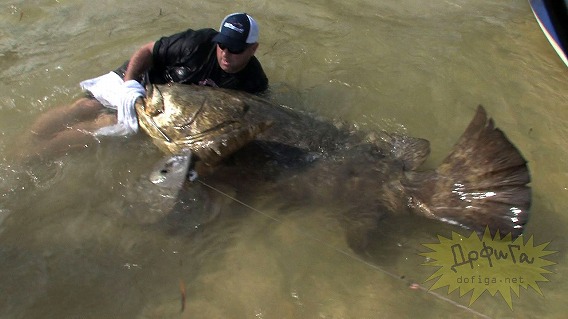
<point>87,236</point>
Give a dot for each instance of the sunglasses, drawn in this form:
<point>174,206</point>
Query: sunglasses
<point>223,47</point>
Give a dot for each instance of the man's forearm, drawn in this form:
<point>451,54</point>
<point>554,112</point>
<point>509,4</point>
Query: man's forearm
<point>140,62</point>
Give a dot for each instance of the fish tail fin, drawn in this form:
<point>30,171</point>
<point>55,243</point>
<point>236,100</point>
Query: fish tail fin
<point>481,183</point>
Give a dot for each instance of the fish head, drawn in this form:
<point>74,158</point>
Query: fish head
<point>212,123</point>
<point>153,104</point>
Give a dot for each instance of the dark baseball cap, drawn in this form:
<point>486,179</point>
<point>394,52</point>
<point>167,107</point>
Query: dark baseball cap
<point>237,31</point>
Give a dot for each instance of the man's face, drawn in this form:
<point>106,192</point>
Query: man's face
<point>234,62</point>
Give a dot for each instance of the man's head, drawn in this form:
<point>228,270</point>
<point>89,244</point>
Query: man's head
<point>237,42</point>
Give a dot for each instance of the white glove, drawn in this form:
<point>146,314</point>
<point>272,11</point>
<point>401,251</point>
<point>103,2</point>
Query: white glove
<point>105,88</point>
<point>124,99</point>
<point>113,92</point>
<point>130,91</point>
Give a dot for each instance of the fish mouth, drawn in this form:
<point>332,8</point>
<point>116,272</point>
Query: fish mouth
<point>225,129</point>
<point>216,143</point>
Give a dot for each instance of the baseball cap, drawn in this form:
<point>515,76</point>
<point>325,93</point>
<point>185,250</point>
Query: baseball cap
<point>237,31</point>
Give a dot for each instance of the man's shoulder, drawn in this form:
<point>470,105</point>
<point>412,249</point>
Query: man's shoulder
<point>205,34</point>
<point>254,68</point>
<point>188,36</point>
<point>254,77</point>
<point>181,43</point>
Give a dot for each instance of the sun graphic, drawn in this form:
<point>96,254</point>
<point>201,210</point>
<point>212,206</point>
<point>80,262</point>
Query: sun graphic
<point>488,263</point>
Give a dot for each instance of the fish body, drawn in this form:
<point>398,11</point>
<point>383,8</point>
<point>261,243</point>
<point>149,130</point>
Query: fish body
<point>254,145</point>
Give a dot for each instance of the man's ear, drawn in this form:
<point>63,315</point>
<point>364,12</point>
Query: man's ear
<point>254,46</point>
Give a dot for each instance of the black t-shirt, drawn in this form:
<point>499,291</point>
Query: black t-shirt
<point>190,57</point>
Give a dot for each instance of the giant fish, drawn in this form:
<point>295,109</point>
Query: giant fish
<point>253,144</point>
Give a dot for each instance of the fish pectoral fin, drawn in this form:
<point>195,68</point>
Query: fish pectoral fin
<point>173,171</point>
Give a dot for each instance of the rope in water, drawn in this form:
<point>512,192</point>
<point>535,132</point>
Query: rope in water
<point>349,254</point>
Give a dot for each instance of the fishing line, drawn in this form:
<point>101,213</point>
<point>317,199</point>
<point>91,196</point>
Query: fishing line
<point>348,254</point>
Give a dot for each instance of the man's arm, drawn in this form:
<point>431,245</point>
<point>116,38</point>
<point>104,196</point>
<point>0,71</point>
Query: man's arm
<point>140,62</point>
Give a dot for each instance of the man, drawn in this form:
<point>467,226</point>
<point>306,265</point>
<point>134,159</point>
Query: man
<point>223,58</point>
<point>189,57</point>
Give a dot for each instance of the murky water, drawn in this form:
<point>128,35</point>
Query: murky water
<point>87,236</point>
